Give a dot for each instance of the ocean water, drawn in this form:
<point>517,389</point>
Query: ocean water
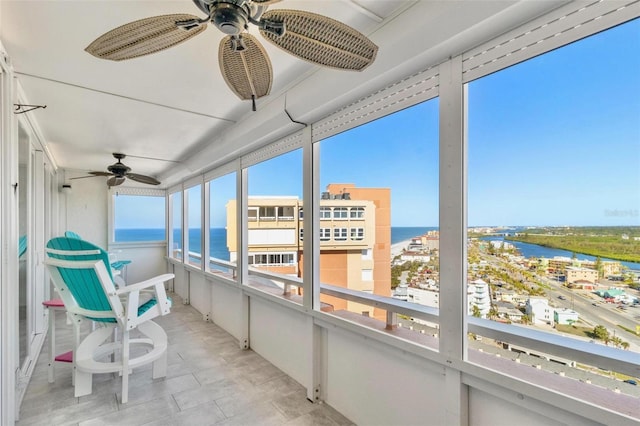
<point>218,242</point>
<point>218,237</point>
<point>401,233</point>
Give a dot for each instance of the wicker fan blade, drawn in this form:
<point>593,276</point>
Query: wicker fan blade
<point>143,37</point>
<point>92,174</point>
<point>321,40</point>
<point>115,181</point>
<point>247,72</point>
<point>143,179</point>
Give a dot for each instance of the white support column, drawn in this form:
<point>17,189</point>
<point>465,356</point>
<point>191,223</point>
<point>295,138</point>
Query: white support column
<point>242,191</point>
<point>9,247</point>
<point>206,243</point>
<point>184,194</point>
<point>310,278</point>
<point>453,237</point>
<point>204,225</point>
<point>311,243</point>
<point>39,242</point>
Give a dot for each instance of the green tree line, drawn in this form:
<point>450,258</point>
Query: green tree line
<point>610,246</point>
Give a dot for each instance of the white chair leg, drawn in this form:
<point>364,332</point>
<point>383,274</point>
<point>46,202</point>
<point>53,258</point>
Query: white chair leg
<point>77,322</point>
<point>52,348</point>
<point>125,367</point>
<point>83,382</point>
<point>159,367</point>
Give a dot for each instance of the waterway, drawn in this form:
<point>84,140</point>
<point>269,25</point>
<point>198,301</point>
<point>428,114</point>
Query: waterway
<point>533,250</point>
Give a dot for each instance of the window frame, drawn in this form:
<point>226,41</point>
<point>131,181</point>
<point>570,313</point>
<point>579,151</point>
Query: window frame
<point>142,192</point>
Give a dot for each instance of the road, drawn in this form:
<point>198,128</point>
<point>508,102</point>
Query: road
<point>590,307</point>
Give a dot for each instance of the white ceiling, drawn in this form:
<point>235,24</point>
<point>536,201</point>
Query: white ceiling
<point>175,105</point>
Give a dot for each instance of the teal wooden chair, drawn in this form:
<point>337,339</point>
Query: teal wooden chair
<point>118,267</point>
<point>81,274</point>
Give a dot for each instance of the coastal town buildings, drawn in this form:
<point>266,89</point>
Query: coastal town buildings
<point>478,294</point>
<point>539,310</point>
<point>575,274</point>
<point>565,316</point>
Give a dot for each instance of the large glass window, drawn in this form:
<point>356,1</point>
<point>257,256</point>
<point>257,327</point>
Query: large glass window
<point>379,215</point>
<point>274,240</point>
<point>175,242</point>
<point>194,224</point>
<point>222,223</point>
<point>554,154</point>
<point>138,218</point>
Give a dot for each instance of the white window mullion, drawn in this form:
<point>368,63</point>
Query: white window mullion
<point>185,226</point>
<point>204,223</point>
<point>452,212</point>
<point>453,236</point>
<point>311,199</point>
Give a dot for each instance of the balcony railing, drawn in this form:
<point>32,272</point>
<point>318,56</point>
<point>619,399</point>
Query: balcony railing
<point>558,347</point>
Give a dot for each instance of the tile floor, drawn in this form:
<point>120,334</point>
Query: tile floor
<point>210,381</point>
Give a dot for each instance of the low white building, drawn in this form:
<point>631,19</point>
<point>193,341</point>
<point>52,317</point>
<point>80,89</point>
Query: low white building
<point>414,256</point>
<point>512,314</point>
<point>423,297</point>
<point>478,295</point>
<point>505,295</point>
<point>565,316</point>
<point>539,310</point>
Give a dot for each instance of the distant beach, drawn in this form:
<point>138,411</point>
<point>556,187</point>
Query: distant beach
<point>397,248</point>
<point>401,236</point>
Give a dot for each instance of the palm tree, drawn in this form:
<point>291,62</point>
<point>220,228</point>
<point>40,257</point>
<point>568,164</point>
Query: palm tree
<point>475,311</point>
<point>493,312</point>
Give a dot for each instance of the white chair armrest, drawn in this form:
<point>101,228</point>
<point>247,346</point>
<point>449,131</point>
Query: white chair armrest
<point>145,284</point>
<point>132,293</point>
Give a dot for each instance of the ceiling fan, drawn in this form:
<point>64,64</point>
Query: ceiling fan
<point>119,172</point>
<point>243,61</point>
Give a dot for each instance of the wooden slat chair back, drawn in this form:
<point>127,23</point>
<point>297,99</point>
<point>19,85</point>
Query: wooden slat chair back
<point>117,266</point>
<point>83,283</point>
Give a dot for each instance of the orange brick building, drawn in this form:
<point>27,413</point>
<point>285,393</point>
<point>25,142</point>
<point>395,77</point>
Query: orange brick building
<point>355,239</point>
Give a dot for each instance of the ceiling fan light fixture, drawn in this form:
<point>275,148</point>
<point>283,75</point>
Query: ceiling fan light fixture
<point>229,18</point>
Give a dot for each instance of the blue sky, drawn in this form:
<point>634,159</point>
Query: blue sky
<point>552,141</point>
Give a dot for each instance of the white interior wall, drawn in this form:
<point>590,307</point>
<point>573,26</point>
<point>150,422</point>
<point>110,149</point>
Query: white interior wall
<point>373,384</point>
<point>146,260</point>
<point>281,336</point>
<point>180,285</point>
<point>199,292</point>
<point>489,410</point>
<point>226,307</point>
<point>84,210</point>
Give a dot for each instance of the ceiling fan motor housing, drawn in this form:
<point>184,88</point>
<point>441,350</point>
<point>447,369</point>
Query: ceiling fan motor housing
<point>119,169</point>
<point>229,18</point>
